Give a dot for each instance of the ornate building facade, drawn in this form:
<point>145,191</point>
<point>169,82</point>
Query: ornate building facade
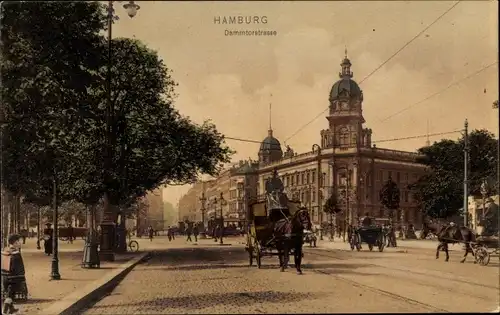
<point>344,162</point>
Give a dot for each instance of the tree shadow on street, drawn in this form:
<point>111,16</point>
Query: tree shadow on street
<point>186,256</point>
<point>236,299</point>
<point>34,301</point>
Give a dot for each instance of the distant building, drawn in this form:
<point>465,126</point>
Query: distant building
<point>477,208</point>
<point>153,215</point>
<point>345,150</point>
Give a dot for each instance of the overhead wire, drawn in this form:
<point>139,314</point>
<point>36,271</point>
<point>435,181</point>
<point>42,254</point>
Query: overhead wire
<point>411,41</point>
<point>419,136</point>
<point>440,91</point>
<point>378,141</point>
<point>382,64</point>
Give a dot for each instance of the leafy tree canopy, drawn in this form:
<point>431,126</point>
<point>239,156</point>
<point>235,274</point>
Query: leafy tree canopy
<point>46,72</point>
<point>54,72</point>
<point>440,191</point>
<point>389,195</point>
<point>153,144</point>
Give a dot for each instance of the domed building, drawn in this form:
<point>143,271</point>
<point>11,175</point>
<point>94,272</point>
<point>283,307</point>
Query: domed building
<point>270,149</point>
<point>343,162</point>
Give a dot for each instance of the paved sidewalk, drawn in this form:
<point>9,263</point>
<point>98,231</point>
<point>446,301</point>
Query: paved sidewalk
<point>42,291</point>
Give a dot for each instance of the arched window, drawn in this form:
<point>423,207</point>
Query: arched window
<point>344,137</point>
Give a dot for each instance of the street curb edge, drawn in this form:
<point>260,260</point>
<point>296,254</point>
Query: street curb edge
<point>93,292</point>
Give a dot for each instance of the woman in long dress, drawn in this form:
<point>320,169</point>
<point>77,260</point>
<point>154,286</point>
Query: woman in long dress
<point>47,239</point>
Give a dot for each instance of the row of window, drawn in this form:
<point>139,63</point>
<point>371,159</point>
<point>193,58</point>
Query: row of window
<point>235,206</point>
<point>304,196</point>
<point>384,175</point>
<point>299,178</point>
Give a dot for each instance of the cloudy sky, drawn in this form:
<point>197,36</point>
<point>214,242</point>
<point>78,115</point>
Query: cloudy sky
<point>230,79</point>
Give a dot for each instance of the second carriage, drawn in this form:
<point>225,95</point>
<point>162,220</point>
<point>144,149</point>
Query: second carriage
<point>262,215</point>
<point>368,233</point>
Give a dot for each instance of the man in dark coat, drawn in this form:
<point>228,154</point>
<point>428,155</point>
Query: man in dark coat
<point>48,237</point>
<point>189,232</point>
<point>150,233</point>
<point>196,232</point>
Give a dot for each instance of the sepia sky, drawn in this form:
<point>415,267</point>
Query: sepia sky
<point>230,79</point>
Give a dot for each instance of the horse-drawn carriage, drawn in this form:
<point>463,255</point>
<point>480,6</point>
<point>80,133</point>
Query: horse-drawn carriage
<point>368,233</point>
<point>486,244</point>
<point>266,217</point>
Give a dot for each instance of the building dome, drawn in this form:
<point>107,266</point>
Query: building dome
<point>270,143</point>
<point>270,149</point>
<point>346,86</point>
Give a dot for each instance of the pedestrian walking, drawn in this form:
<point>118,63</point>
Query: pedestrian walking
<point>71,233</point>
<point>48,237</point>
<point>150,233</point>
<point>215,232</point>
<point>196,232</point>
<point>169,233</point>
<point>189,232</point>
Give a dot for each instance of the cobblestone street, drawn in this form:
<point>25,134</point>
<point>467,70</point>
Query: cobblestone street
<point>211,279</point>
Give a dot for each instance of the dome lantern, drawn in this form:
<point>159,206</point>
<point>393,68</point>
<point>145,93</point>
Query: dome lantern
<point>346,87</point>
<point>346,67</point>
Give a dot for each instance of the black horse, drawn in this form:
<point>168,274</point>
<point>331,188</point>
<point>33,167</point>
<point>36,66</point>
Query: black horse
<point>289,234</point>
<point>453,234</point>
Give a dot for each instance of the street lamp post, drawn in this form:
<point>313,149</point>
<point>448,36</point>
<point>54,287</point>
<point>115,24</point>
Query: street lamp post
<point>222,203</point>
<point>348,214</point>
<point>495,106</point>
<point>3,123</point>
<point>202,209</point>
<point>318,184</point>
<point>466,174</point>
<point>55,275</point>
<point>39,211</point>
<point>107,225</point>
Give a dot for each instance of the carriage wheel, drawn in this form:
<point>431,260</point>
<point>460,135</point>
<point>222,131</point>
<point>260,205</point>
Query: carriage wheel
<point>482,256</point>
<point>134,246</point>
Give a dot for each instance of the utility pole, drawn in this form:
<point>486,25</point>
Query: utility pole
<point>466,175</point>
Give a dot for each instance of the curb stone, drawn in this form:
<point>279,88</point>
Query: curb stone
<point>81,299</point>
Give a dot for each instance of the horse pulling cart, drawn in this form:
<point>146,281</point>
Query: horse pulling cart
<point>263,214</point>
<point>260,239</point>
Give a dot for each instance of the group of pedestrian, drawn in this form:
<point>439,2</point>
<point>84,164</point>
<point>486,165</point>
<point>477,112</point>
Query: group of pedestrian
<point>170,233</point>
<point>216,233</point>
<point>192,230</point>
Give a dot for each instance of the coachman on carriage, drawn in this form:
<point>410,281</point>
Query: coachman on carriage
<point>276,226</point>
<point>368,233</point>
